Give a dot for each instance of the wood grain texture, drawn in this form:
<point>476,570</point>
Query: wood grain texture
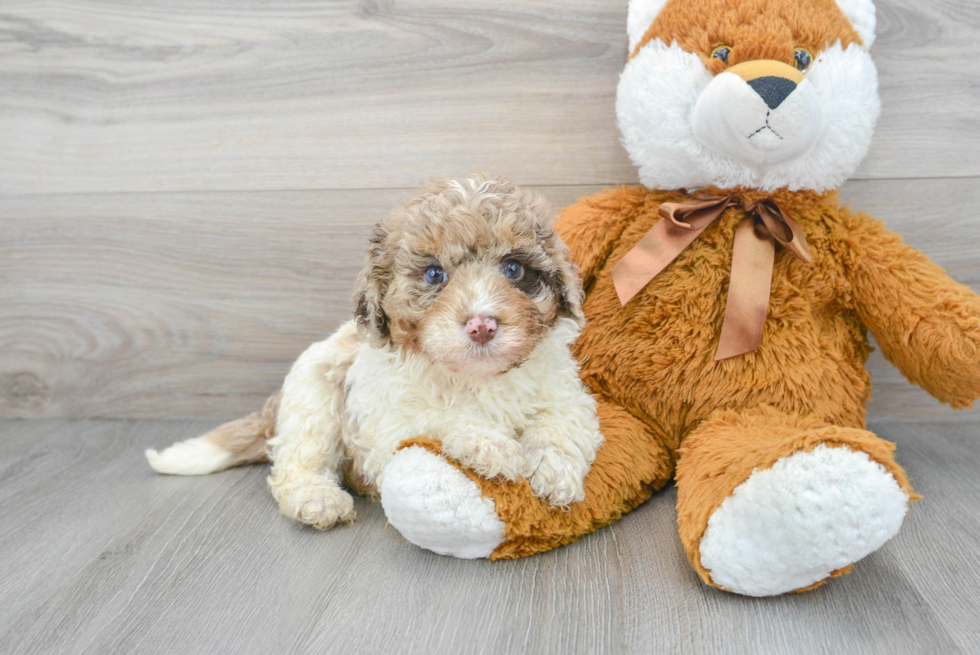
<point>356,94</point>
<point>101,555</point>
<point>185,193</point>
<point>184,305</point>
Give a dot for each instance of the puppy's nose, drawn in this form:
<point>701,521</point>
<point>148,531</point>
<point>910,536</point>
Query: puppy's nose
<point>481,328</point>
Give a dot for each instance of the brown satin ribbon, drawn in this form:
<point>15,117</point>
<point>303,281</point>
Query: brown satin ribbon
<point>753,255</point>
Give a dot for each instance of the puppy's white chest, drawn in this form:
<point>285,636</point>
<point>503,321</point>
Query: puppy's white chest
<point>391,398</point>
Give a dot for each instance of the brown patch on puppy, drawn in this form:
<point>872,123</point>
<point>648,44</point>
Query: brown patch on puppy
<point>437,261</point>
<point>245,438</point>
<point>370,289</point>
<point>355,480</point>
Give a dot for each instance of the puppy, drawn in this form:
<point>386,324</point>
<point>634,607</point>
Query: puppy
<point>464,312</point>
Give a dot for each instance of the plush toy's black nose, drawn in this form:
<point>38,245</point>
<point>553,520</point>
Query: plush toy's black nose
<point>773,89</point>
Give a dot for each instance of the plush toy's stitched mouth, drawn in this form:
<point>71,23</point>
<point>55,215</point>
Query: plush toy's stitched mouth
<point>766,127</point>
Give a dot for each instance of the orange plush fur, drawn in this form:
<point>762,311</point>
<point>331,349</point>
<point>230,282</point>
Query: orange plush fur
<point>755,29</point>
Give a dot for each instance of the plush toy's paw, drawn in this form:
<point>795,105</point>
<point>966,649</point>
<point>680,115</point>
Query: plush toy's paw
<point>794,524</point>
<point>486,453</point>
<point>320,504</point>
<point>556,480</point>
<point>435,506</point>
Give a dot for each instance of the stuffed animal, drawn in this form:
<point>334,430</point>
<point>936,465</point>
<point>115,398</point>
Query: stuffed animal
<point>728,301</point>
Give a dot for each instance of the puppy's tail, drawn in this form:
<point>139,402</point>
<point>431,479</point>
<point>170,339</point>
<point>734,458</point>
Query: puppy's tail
<point>242,441</point>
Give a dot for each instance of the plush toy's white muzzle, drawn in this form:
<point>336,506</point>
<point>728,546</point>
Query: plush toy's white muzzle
<point>761,112</point>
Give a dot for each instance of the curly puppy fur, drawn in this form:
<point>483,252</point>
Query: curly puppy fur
<point>464,313</point>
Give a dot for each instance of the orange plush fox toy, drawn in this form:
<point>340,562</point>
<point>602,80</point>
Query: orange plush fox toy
<point>728,301</point>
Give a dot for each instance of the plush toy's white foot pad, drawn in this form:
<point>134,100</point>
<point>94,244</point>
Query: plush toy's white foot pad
<point>793,524</point>
<point>435,506</point>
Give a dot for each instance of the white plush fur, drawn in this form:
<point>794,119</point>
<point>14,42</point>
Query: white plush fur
<point>659,92</point>
<point>641,15</point>
<point>861,13</point>
<point>731,118</point>
<point>435,506</point>
<point>192,457</point>
<point>535,420</point>
<point>793,524</point>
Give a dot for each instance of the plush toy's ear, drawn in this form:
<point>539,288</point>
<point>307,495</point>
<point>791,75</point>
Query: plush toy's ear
<point>641,15</point>
<point>369,292</point>
<point>861,13</point>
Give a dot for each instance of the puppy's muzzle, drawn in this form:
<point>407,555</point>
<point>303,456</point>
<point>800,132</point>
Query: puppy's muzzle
<point>481,329</point>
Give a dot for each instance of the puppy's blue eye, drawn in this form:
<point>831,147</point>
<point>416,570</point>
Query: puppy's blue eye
<point>513,269</point>
<point>435,275</point>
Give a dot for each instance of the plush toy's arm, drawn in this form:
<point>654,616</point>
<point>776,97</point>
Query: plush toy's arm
<point>926,324</point>
<point>592,226</point>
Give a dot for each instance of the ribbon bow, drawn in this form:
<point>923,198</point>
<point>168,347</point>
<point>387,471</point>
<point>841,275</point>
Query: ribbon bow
<point>753,255</point>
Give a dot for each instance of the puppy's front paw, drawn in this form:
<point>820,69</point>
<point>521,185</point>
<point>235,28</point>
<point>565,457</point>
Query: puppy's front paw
<point>319,505</point>
<point>554,479</point>
<point>487,453</point>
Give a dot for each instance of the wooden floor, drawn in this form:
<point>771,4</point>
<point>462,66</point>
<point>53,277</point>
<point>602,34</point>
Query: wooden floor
<point>100,555</point>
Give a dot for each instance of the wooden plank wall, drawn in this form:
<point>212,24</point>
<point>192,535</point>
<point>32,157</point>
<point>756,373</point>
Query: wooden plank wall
<point>186,186</point>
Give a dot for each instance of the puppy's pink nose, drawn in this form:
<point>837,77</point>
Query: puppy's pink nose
<point>481,328</point>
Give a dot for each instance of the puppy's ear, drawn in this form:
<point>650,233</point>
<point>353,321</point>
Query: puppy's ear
<point>568,283</point>
<point>369,291</point>
<point>572,295</point>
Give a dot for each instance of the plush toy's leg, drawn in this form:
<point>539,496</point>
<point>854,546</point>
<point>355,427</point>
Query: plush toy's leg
<point>769,503</point>
<point>438,506</point>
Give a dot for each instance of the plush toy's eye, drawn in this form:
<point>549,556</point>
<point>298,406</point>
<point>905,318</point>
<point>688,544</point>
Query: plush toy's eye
<point>513,270</point>
<point>435,275</point>
<point>803,58</point>
<point>721,52</point>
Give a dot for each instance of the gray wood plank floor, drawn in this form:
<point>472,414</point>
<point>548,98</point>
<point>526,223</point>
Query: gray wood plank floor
<point>100,555</point>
